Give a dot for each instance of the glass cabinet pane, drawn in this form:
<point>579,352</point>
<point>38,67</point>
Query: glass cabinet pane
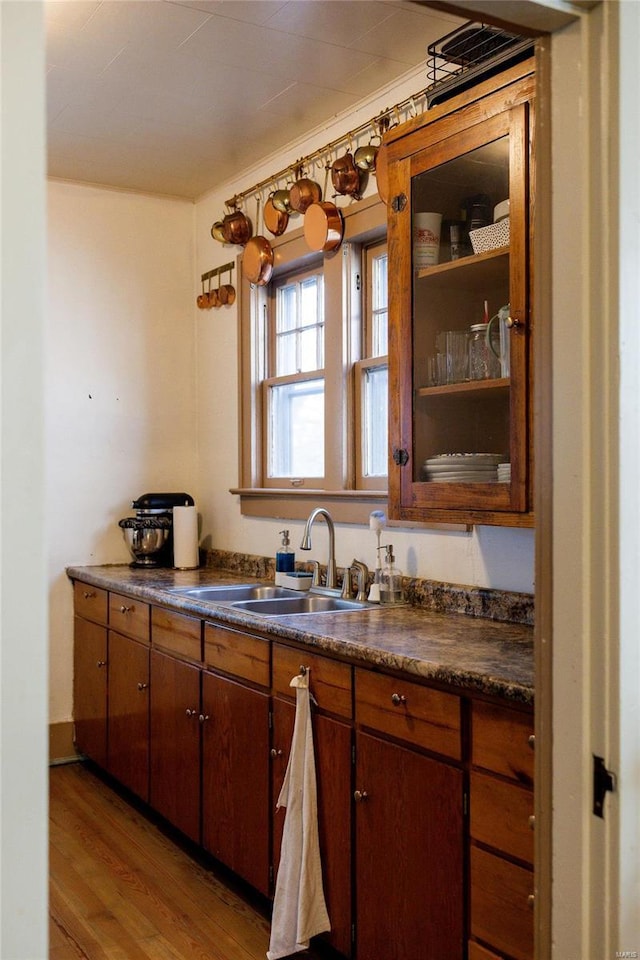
<point>460,259</point>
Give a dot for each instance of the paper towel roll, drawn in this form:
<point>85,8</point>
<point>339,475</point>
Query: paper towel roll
<point>185,538</point>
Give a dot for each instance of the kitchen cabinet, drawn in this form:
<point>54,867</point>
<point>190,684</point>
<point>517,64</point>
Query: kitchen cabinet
<point>90,689</point>
<point>175,742</point>
<point>409,841</point>
<point>452,423</point>
<point>235,755</point>
<point>501,821</point>
<point>128,681</point>
<point>331,686</point>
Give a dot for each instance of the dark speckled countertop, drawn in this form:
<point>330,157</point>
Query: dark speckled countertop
<point>468,652</point>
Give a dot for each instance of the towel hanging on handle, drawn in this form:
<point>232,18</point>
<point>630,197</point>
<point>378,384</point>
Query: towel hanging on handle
<point>299,908</point>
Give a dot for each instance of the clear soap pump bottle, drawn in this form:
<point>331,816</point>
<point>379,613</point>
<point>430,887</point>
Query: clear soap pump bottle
<point>285,557</point>
<point>391,579</point>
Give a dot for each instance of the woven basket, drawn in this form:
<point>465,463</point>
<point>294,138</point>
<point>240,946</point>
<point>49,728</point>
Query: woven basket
<point>491,237</point>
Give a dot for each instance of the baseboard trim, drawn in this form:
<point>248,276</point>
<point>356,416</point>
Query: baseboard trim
<point>61,746</point>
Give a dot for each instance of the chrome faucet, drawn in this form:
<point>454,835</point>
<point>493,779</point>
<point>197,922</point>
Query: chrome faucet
<point>332,576</point>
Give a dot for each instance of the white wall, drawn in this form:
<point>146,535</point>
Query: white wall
<point>120,388</point>
<point>489,557</point>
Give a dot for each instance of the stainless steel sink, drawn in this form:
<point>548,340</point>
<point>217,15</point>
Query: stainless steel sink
<point>241,591</point>
<point>282,606</point>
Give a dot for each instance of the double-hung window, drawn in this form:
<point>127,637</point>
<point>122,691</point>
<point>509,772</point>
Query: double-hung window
<point>314,376</point>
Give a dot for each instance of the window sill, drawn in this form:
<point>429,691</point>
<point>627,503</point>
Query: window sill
<point>347,506</point>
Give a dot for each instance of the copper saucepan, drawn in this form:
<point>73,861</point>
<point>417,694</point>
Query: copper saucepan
<point>323,225</point>
<point>257,260</point>
<point>345,176</point>
<point>237,227</point>
<point>303,193</point>
<point>274,220</point>
<point>382,172</point>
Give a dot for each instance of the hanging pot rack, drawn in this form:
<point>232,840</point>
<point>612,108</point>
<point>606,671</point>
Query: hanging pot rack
<point>379,123</point>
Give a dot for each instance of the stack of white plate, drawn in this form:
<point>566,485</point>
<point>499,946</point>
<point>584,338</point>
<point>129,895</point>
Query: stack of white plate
<point>504,473</point>
<point>463,467</point>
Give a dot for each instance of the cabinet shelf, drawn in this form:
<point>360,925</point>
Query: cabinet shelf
<point>470,388</point>
<point>495,257</point>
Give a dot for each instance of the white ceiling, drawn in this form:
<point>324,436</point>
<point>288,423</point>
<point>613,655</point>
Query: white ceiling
<point>175,96</point>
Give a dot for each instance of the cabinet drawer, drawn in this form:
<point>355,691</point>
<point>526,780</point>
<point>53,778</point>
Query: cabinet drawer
<point>90,602</point>
<point>129,616</point>
<point>500,741</point>
<point>476,952</point>
<point>501,910</point>
<point>500,815</point>
<point>330,679</point>
<point>176,633</point>
<point>237,653</point>
<point>400,708</point>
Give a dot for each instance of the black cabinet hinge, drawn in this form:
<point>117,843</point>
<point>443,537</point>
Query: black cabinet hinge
<point>400,456</point>
<point>604,781</point>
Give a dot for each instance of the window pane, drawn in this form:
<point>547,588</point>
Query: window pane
<point>299,316</point>
<point>379,301</point>
<point>296,429</point>
<point>375,422</point>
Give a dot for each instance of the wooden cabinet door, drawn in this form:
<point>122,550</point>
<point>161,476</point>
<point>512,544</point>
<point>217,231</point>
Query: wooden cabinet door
<point>235,777</point>
<point>90,689</point>
<point>332,745</point>
<point>175,742</point>
<point>409,854</point>
<point>128,750</point>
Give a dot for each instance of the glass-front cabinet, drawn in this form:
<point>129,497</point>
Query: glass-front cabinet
<point>460,204</point>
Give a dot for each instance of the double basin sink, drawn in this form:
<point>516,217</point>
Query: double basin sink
<point>268,601</point>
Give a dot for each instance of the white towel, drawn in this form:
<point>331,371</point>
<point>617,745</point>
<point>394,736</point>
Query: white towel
<point>299,909</point>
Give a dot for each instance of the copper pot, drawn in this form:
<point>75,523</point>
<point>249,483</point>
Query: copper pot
<point>323,227</point>
<point>275,220</point>
<point>365,157</point>
<point>281,201</point>
<point>382,172</point>
<point>303,193</point>
<point>257,261</point>
<point>227,293</point>
<point>237,227</point>
<point>345,176</point>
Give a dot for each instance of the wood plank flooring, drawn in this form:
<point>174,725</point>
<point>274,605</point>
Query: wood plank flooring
<point>122,889</point>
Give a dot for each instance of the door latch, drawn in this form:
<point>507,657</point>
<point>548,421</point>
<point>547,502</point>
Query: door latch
<point>399,203</point>
<point>604,781</point>
<point>400,456</point>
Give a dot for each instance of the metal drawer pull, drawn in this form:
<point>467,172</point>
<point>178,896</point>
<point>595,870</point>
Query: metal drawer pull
<point>142,686</point>
<point>360,795</point>
<point>89,594</point>
<point>191,713</point>
<point>532,822</point>
<point>398,698</point>
<point>124,609</point>
<point>203,717</point>
<point>275,753</point>
<point>101,663</point>
<point>532,741</point>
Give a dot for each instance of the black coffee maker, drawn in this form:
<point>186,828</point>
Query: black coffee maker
<point>149,535</point>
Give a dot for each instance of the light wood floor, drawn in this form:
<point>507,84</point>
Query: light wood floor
<point>123,890</point>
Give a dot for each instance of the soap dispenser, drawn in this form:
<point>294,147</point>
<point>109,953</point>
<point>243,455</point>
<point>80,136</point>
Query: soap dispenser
<point>391,580</point>
<point>285,558</point>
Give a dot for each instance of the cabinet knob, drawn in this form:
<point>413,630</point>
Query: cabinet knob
<point>124,609</point>
<point>512,322</point>
<point>89,594</point>
<point>275,753</point>
<point>142,686</point>
<point>532,741</point>
<point>397,699</point>
<point>531,899</point>
<point>101,663</point>
<point>191,713</point>
<point>532,822</point>
<point>203,717</point>
<point>360,795</point>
